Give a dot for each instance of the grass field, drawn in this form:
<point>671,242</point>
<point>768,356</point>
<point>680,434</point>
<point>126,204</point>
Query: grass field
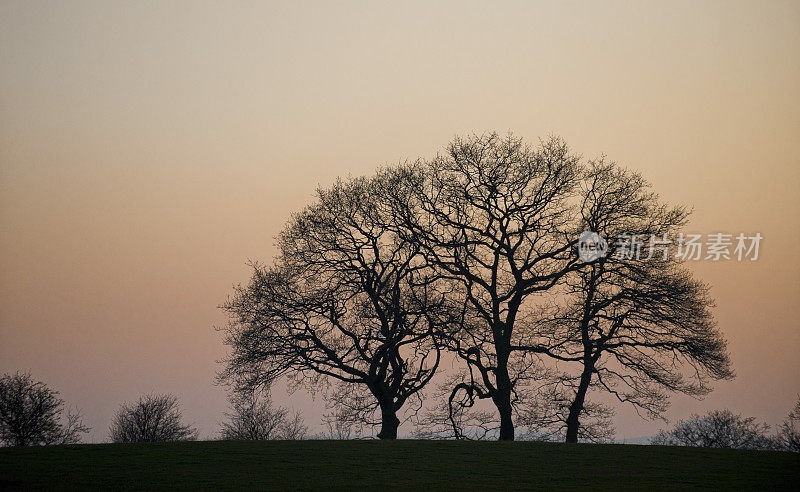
<point>403,464</point>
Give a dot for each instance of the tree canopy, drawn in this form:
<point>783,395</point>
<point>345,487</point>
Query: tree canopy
<point>473,257</point>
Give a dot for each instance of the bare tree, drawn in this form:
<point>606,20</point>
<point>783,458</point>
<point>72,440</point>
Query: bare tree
<point>474,252</point>
<point>718,429</point>
<point>493,214</point>
<point>153,418</point>
<point>789,432</point>
<point>346,300</point>
<point>32,414</point>
<point>635,320</point>
<point>253,419</point>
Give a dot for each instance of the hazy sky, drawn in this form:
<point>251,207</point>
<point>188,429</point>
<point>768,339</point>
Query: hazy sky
<point>149,149</point>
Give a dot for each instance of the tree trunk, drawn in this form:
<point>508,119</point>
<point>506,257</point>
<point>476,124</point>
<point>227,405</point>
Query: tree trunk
<point>502,400</point>
<point>506,423</point>
<point>389,422</point>
<point>575,409</point>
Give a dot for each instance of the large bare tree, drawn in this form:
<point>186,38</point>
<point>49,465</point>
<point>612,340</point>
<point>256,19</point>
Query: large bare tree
<point>347,300</point>
<point>476,252</point>
<point>494,215</point>
<point>634,320</point>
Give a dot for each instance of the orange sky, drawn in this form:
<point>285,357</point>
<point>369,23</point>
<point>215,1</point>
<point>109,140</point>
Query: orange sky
<point>148,149</point>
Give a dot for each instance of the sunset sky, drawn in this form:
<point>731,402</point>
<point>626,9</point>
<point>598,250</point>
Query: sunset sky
<point>149,149</point>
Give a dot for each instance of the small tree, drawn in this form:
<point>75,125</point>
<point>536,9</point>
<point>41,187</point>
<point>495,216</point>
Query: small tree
<point>153,418</point>
<point>254,419</point>
<point>718,429</point>
<point>31,414</point>
<point>789,433</point>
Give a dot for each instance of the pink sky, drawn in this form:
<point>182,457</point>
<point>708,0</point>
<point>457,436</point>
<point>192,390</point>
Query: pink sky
<point>149,149</point>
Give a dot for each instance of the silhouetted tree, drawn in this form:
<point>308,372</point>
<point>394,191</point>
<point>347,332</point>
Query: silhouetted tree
<point>475,252</point>
<point>635,320</point>
<point>789,432</point>
<point>346,300</point>
<point>254,419</point>
<point>32,414</point>
<point>493,214</point>
<point>153,418</point>
<point>718,429</point>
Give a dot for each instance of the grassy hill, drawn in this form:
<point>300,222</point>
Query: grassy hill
<point>404,464</point>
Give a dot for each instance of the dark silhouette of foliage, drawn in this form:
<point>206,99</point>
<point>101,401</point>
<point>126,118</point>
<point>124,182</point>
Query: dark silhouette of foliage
<point>254,419</point>
<point>789,432</point>
<point>31,414</point>
<point>718,429</point>
<point>153,418</point>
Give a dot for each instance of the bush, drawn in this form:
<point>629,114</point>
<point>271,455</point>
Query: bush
<point>253,419</point>
<point>718,429</point>
<point>789,432</point>
<point>32,414</point>
<point>153,418</point>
